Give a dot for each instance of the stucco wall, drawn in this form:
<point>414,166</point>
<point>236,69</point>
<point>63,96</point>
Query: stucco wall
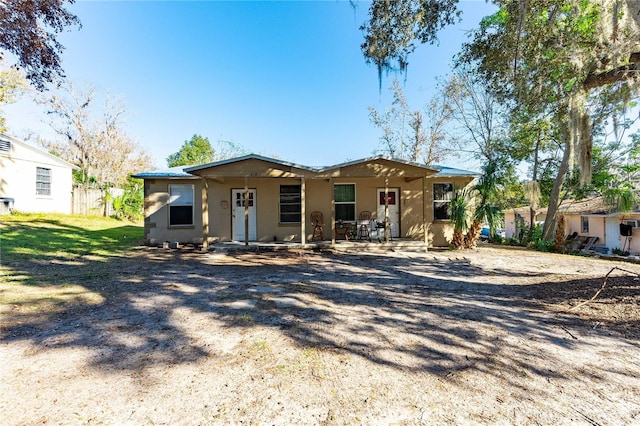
<point>596,226</point>
<point>156,212</point>
<point>18,181</point>
<point>268,229</point>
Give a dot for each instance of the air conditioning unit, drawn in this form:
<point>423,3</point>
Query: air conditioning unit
<point>632,222</point>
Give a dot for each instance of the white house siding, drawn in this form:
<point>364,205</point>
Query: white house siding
<point>18,168</point>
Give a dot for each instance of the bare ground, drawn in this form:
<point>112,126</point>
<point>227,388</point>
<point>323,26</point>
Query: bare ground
<point>177,337</point>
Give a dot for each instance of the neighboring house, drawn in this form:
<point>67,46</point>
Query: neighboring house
<point>215,202</point>
<point>32,180</point>
<point>517,220</point>
<point>589,217</point>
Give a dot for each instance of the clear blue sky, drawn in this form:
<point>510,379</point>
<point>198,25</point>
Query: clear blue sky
<point>283,79</point>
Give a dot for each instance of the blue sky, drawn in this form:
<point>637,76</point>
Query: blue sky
<point>283,79</point>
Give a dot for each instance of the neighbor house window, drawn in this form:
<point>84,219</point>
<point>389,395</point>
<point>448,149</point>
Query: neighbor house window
<point>5,146</point>
<point>344,196</point>
<point>585,224</point>
<point>43,181</point>
<point>180,205</point>
<point>442,195</point>
<point>290,204</point>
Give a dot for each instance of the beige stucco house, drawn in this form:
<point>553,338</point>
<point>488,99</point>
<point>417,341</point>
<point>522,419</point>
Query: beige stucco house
<point>255,198</point>
<point>32,180</point>
<point>590,217</point>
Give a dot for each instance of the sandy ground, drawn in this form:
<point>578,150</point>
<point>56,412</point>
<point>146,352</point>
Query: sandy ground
<point>476,337</point>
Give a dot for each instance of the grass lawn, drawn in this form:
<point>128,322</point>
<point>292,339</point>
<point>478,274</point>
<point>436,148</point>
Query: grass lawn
<point>32,244</point>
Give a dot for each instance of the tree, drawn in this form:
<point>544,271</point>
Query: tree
<point>196,151</point>
<point>394,26</point>
<point>486,210</point>
<point>459,216</point>
<point>546,54</point>
<point>12,84</point>
<point>94,141</point>
<point>479,118</point>
<point>413,135</point>
<point>550,56</point>
<point>28,31</point>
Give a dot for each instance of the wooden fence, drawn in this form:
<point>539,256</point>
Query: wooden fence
<point>91,201</point>
<point>88,201</point>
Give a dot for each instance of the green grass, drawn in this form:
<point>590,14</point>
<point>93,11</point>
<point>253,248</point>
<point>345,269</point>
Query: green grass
<point>48,261</point>
<point>41,236</point>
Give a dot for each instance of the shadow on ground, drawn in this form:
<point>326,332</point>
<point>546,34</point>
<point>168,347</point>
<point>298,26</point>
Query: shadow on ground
<point>432,315</point>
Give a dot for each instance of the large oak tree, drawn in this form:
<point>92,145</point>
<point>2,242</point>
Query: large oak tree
<point>28,30</point>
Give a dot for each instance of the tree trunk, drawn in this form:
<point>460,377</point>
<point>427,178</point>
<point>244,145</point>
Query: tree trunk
<point>458,240</point>
<point>554,199</point>
<point>471,239</point>
<point>560,234</point>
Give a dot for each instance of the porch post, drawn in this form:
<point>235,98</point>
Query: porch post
<point>303,212</point>
<point>387,222</point>
<point>424,211</point>
<point>246,211</point>
<point>333,213</point>
<point>205,214</point>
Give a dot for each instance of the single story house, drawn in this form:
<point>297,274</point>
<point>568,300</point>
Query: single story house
<point>32,180</point>
<point>590,217</point>
<point>255,198</point>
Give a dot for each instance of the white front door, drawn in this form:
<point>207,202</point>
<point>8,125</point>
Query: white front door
<point>394,210</point>
<point>238,198</point>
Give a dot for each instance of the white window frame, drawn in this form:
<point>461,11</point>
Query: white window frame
<point>435,200</point>
<point>355,196</point>
<point>181,199</point>
<point>43,181</point>
<point>584,224</point>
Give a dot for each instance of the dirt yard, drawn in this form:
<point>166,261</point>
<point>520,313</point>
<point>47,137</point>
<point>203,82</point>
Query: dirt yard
<point>178,337</point>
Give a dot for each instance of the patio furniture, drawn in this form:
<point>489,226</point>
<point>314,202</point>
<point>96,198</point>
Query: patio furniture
<point>380,228</point>
<point>317,222</point>
<point>364,223</point>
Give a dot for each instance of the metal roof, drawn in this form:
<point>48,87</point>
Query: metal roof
<point>185,171</point>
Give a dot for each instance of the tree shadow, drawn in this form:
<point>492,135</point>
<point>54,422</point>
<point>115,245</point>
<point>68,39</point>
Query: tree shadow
<point>414,314</point>
<point>59,241</point>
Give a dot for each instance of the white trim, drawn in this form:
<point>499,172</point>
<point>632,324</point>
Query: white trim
<point>355,200</point>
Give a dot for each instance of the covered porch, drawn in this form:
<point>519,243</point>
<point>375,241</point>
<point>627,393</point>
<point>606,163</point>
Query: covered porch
<point>396,194</point>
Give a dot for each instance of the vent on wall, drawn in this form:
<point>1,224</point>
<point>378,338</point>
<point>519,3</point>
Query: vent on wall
<point>5,146</point>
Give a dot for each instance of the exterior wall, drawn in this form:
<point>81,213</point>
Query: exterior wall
<point>509,224</point>
<point>156,213</point>
<point>614,240</point>
<point>633,246</point>
<point>510,221</point>
<point>596,226</point>
<point>318,198</point>
<point>441,231</point>
<point>18,180</point>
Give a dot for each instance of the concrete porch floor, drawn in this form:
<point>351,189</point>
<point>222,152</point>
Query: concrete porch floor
<point>340,245</point>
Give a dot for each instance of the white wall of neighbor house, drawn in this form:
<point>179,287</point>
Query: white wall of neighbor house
<point>35,182</point>
<point>615,240</point>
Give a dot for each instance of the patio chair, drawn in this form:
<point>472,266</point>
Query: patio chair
<point>364,223</point>
<point>380,228</point>
<point>317,222</point>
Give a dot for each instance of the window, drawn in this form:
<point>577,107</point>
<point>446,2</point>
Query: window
<point>442,195</point>
<point>43,181</point>
<point>5,146</point>
<point>345,199</point>
<point>290,207</point>
<point>585,224</point>
<point>180,205</point>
